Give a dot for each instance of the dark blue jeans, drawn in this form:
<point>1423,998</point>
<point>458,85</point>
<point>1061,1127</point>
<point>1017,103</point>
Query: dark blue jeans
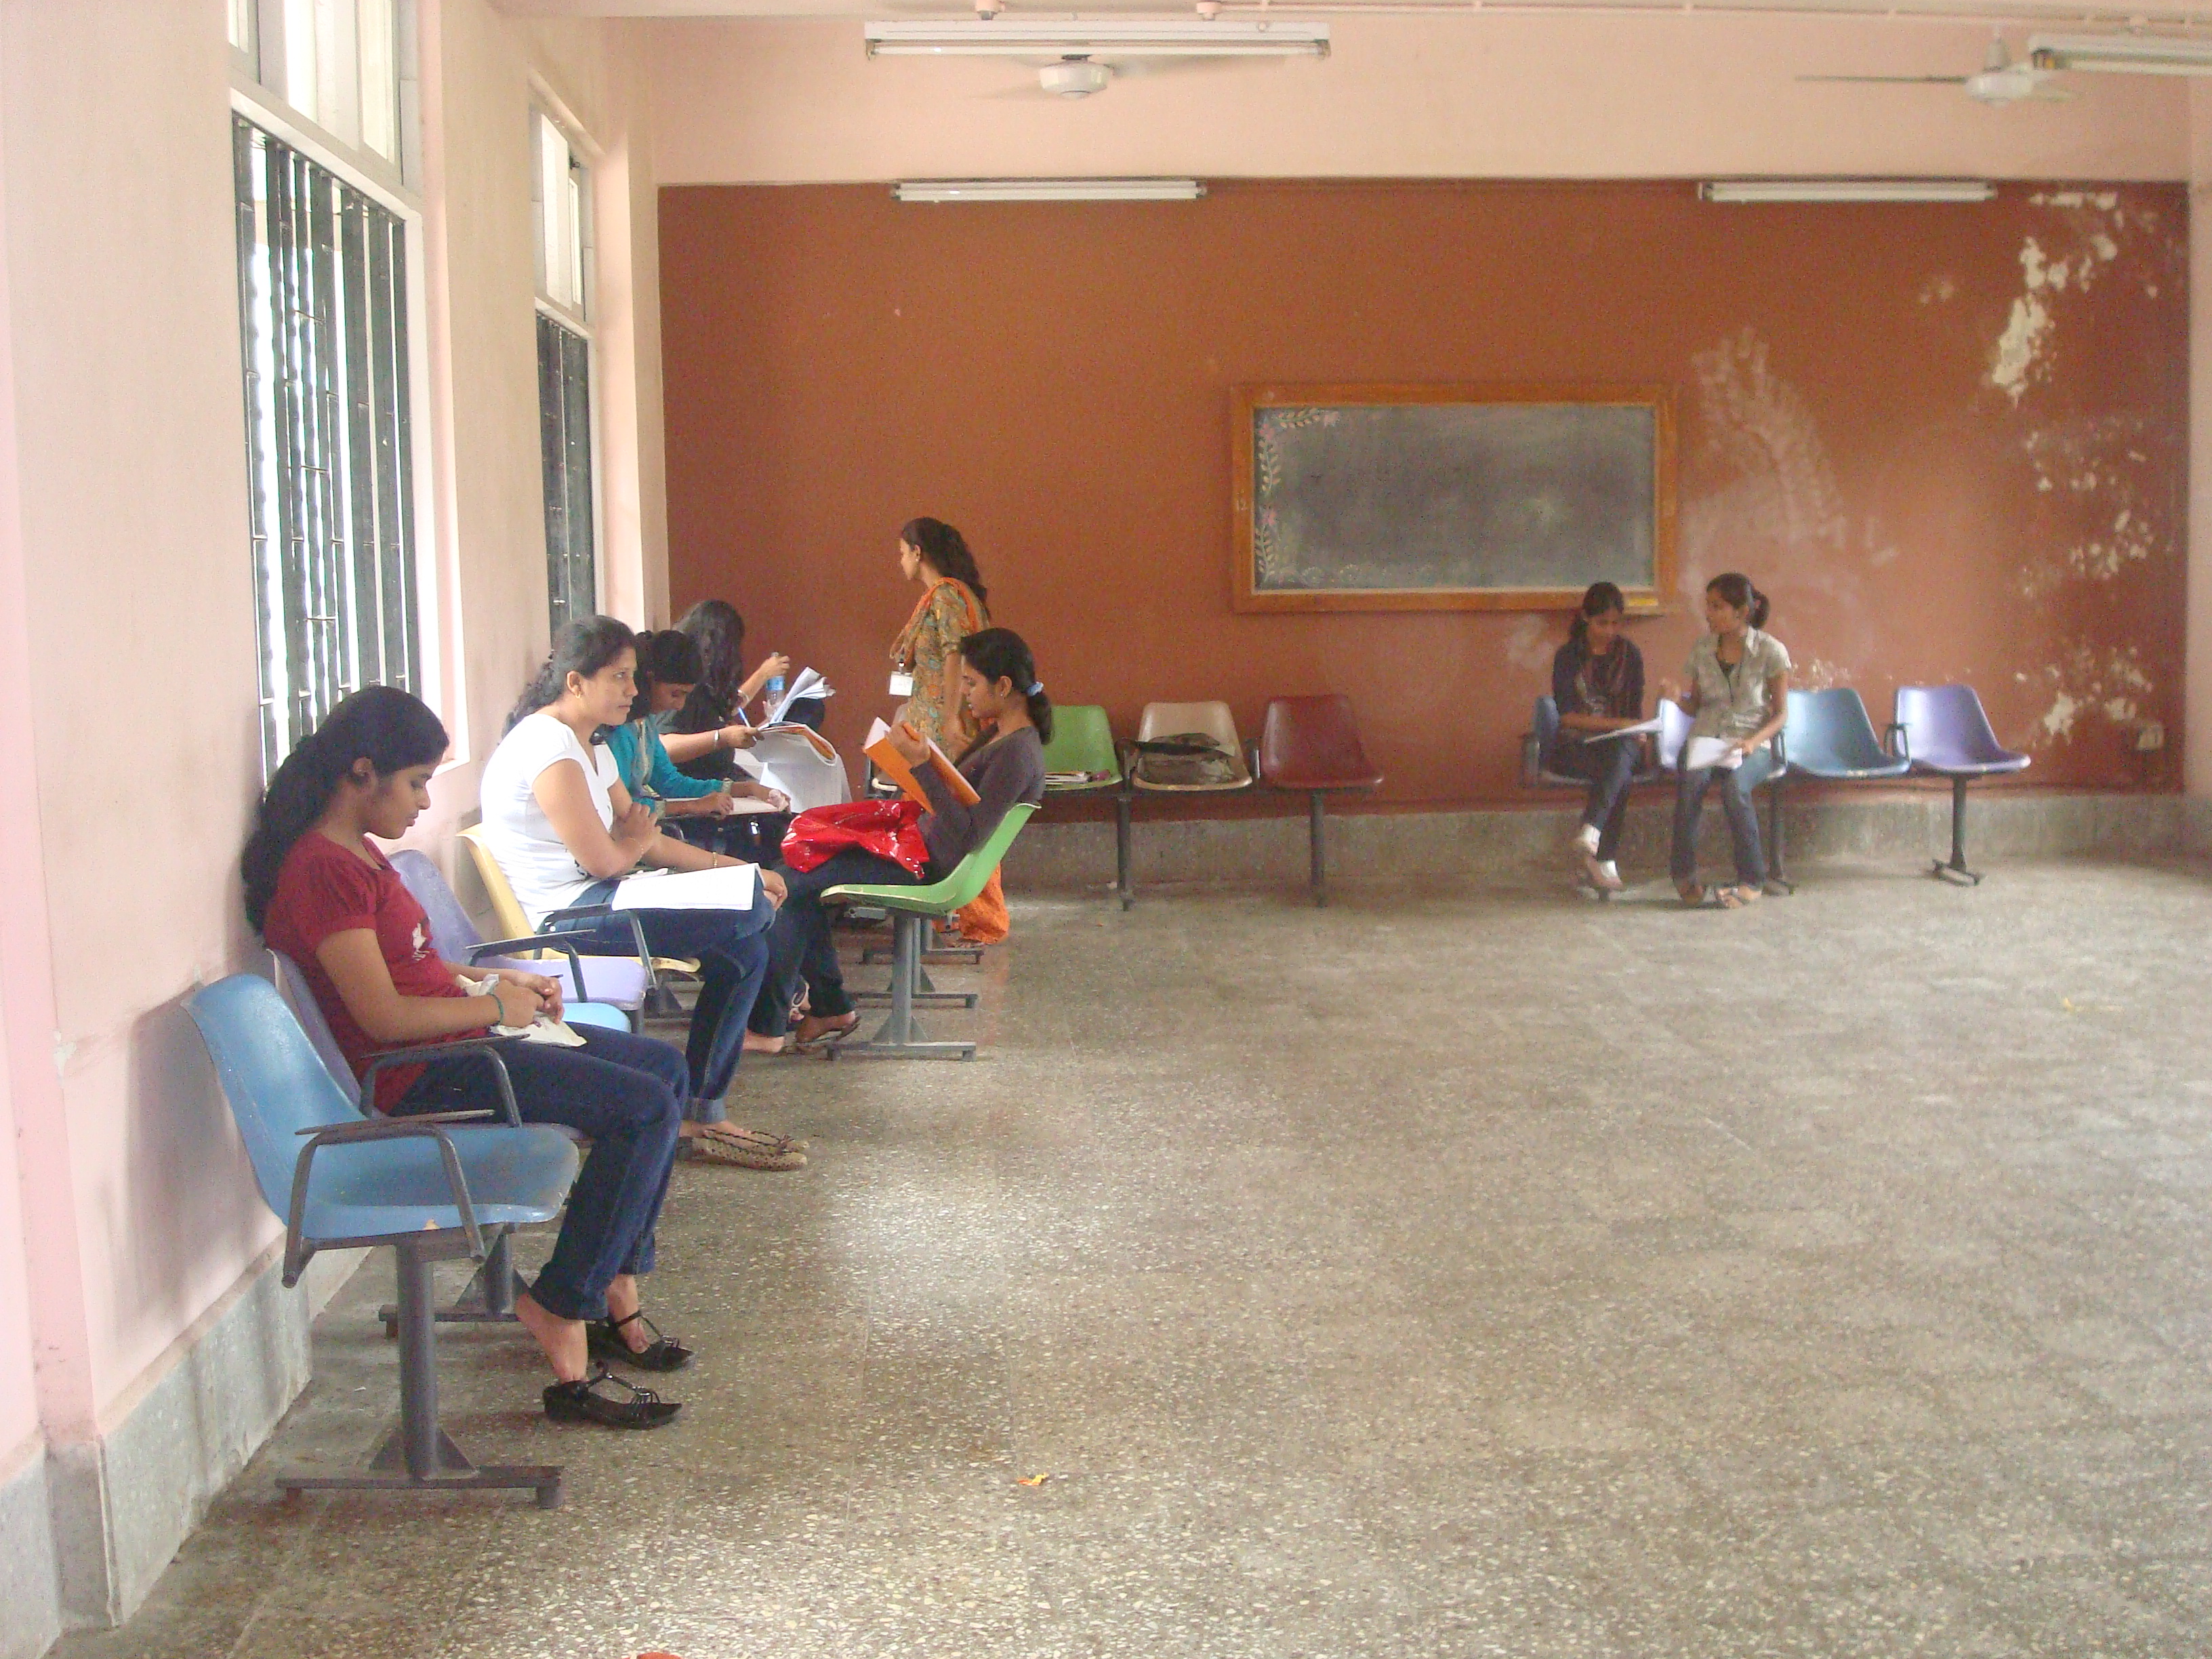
<point>732,962</point>
<point>1742,815</point>
<point>621,1092</point>
<point>1608,766</point>
<point>801,947</point>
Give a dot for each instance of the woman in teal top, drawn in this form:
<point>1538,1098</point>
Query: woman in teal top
<point>697,808</point>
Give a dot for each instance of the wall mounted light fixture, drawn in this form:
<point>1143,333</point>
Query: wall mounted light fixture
<point>1048,190</point>
<point>1846,190</point>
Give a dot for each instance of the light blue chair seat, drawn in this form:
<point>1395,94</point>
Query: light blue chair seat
<point>429,1187</point>
<point>1829,734</point>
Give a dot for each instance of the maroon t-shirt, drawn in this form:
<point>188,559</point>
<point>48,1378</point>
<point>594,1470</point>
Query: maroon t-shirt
<point>324,890</point>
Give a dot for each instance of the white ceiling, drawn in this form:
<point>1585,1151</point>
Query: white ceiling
<point>2055,14</point>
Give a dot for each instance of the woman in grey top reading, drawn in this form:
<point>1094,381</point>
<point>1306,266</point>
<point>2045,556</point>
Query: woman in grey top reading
<point>1738,692</point>
<point>1000,687</point>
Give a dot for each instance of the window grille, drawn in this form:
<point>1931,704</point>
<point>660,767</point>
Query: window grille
<point>564,411</point>
<point>323,312</point>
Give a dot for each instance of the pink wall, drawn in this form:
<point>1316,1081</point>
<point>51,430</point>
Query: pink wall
<point>1491,95</point>
<point>126,622</point>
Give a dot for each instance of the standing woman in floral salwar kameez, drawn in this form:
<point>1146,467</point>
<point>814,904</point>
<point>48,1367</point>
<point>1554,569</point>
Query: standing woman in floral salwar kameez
<point>950,608</point>
<point>934,554</point>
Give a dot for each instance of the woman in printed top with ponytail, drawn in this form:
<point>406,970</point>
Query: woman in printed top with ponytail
<point>320,891</point>
<point>1002,694</point>
<point>1739,693</point>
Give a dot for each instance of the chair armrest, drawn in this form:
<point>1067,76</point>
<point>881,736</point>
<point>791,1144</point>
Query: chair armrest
<point>500,947</point>
<point>1897,740</point>
<point>297,1252</point>
<point>1781,753</point>
<point>1252,759</point>
<point>384,1129</point>
<point>486,1047</point>
<point>1532,761</point>
<point>607,915</point>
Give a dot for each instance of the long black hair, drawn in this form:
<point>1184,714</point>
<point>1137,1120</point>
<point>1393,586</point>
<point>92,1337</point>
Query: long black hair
<point>389,728</point>
<point>1735,590</point>
<point>668,658</point>
<point>1598,599</point>
<point>999,653</point>
<point>716,627</point>
<point>946,550</point>
<point>580,648</point>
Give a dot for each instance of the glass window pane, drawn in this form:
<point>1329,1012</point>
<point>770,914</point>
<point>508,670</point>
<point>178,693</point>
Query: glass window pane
<point>302,62</point>
<point>379,77</point>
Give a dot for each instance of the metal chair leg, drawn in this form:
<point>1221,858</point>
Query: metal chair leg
<point>1317,838</point>
<point>487,1299</point>
<point>1956,869</point>
<point>1123,884</point>
<point>900,1036</point>
<point>418,1456</point>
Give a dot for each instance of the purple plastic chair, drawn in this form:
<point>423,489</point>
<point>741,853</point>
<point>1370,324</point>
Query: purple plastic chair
<point>1949,736</point>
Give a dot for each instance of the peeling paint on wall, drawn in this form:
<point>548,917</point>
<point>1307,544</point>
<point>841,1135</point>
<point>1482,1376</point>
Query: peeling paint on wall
<point>2113,685</point>
<point>1819,674</point>
<point>2085,242</point>
<point>2094,464</point>
<point>1528,645</point>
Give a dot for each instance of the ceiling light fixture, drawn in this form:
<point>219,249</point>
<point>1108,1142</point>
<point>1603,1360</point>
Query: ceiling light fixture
<point>1170,37</point>
<point>1745,190</point>
<point>1048,190</point>
<point>2121,54</point>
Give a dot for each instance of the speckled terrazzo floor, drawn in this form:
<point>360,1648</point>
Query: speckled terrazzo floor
<point>1489,1274</point>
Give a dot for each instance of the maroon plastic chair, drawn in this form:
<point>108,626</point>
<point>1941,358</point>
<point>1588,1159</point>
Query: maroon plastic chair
<point>1312,744</point>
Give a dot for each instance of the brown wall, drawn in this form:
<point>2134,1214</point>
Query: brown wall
<point>1949,441</point>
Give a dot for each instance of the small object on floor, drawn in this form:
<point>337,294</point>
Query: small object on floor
<point>663,1354</point>
<point>1736,899</point>
<point>604,1398</point>
<point>1032,1480</point>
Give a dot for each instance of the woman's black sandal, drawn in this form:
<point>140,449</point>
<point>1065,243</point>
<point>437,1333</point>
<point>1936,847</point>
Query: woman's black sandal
<point>584,1402</point>
<point>662,1353</point>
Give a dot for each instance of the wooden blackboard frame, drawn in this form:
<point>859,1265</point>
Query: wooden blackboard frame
<point>1246,595</point>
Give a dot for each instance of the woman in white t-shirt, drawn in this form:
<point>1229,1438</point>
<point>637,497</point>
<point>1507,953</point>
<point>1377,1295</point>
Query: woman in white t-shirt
<point>565,832</point>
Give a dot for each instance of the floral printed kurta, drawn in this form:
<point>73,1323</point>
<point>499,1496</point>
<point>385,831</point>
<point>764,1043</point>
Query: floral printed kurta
<point>929,649</point>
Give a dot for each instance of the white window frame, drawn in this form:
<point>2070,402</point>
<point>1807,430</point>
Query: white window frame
<point>547,106</point>
<point>262,71</point>
<point>258,106</point>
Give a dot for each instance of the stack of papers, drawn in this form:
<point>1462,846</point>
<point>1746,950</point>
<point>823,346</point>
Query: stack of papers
<point>730,887</point>
<point>808,684</point>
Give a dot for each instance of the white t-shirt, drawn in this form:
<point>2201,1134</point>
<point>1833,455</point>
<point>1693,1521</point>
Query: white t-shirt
<point>536,863</point>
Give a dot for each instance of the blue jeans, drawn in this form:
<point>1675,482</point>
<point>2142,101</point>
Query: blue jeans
<point>733,956</point>
<point>800,948</point>
<point>622,1092</point>
<point>1742,815</point>
<point>1610,766</point>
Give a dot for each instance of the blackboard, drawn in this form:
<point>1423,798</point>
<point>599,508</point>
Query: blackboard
<point>1450,497</point>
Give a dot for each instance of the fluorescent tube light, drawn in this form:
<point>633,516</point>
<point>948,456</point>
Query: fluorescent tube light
<point>2121,54</point>
<point>1049,190</point>
<point>1846,190</point>
<point>1168,37</point>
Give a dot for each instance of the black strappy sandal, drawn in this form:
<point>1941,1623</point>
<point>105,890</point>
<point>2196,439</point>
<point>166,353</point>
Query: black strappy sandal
<point>663,1354</point>
<point>590,1401</point>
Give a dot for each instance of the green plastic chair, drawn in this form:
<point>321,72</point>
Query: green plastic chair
<point>912,910</point>
<point>1083,741</point>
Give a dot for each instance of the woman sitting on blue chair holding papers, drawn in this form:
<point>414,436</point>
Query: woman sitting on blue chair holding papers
<point>321,892</point>
<point>1597,685</point>
<point>565,832</point>
<point>1738,692</point>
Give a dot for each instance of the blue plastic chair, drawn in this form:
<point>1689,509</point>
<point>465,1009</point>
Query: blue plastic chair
<point>430,1187</point>
<point>612,981</point>
<point>489,1297</point>
<point>1831,735</point>
<point>1950,737</point>
<point>1543,741</point>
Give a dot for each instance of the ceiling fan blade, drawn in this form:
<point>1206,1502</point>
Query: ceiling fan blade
<point>1893,80</point>
<point>1138,68</point>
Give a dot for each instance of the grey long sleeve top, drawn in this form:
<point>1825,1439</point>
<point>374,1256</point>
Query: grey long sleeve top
<point>1004,771</point>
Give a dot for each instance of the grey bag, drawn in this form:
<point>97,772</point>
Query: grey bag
<point>1183,760</point>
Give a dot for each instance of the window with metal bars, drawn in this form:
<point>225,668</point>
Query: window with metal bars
<point>564,423</point>
<point>322,287</point>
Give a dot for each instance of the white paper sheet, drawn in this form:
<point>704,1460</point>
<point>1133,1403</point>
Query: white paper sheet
<point>1701,752</point>
<point>730,887</point>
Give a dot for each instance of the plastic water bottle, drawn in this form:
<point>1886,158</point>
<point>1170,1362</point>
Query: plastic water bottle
<point>775,693</point>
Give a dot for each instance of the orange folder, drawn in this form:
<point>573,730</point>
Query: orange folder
<point>893,765</point>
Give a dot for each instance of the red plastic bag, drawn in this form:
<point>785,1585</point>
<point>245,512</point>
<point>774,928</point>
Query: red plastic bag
<point>885,827</point>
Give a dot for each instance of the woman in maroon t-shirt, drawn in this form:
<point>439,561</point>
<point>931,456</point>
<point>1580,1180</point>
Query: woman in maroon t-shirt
<point>323,895</point>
